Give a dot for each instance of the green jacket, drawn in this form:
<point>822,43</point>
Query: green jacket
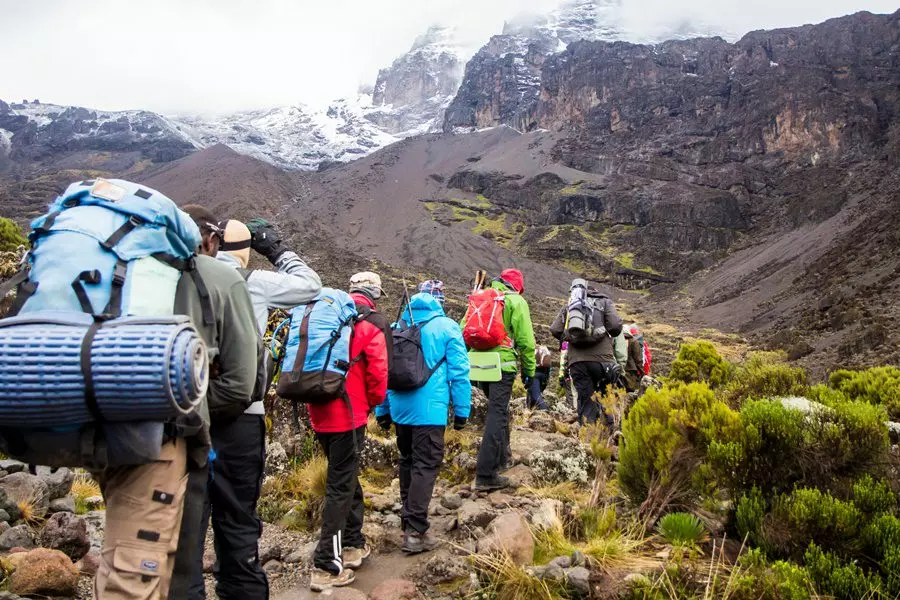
<point>232,342</point>
<point>517,322</point>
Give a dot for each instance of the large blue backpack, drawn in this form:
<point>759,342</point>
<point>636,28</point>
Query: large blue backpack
<point>95,347</point>
<point>316,353</point>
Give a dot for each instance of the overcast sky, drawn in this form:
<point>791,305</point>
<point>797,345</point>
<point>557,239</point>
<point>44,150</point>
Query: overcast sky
<point>180,56</point>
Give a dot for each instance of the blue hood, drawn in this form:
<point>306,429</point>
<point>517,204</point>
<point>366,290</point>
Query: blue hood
<point>425,307</point>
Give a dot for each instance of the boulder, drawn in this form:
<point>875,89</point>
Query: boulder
<point>58,481</point>
<point>276,459</point>
<point>270,552</point>
<point>541,421</point>
<point>382,502</point>
<point>520,476</point>
<point>546,517</point>
<point>444,568</point>
<point>395,589</point>
<point>509,533</point>
<point>62,505</point>
<point>25,487</point>
<point>474,513</point>
<point>563,562</point>
<point>19,536</point>
<point>377,453</point>
<point>44,571</point>
<point>4,516</point>
<point>67,533</point>
<point>4,527</point>
<point>10,506</point>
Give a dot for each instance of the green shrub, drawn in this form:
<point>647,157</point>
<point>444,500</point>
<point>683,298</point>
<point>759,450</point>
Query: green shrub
<point>778,448</point>
<point>873,497</point>
<point>749,515</point>
<point>777,581</point>
<point>11,236</point>
<point>700,362</point>
<point>880,385</point>
<point>842,580</point>
<point>667,433</point>
<point>764,375</point>
<point>810,515</point>
<point>681,529</point>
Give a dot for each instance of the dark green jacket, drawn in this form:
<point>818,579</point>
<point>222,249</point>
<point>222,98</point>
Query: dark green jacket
<point>232,342</point>
<point>517,322</point>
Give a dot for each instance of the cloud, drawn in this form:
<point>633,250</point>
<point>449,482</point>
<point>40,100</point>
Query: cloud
<point>222,55</point>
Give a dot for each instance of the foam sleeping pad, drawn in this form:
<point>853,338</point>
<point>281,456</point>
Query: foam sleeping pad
<point>143,369</point>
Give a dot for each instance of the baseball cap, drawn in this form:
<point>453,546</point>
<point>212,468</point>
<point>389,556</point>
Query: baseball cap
<point>369,282</point>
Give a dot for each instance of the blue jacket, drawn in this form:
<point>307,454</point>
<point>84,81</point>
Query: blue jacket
<point>430,404</point>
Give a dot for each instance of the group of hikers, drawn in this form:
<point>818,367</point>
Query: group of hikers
<point>340,355</point>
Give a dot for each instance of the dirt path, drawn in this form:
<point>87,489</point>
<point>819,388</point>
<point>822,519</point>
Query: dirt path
<point>377,569</point>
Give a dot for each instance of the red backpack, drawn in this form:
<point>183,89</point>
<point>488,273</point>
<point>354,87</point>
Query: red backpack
<point>484,328</point>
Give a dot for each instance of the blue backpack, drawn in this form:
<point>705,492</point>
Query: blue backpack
<point>96,347</point>
<point>316,353</point>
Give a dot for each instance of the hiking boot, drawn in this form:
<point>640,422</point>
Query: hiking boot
<point>354,557</point>
<point>321,580</point>
<point>416,543</point>
<point>497,482</point>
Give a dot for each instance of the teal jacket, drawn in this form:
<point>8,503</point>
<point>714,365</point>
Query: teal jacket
<point>449,385</point>
<point>517,321</point>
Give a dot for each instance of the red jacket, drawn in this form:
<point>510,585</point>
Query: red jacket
<point>366,381</point>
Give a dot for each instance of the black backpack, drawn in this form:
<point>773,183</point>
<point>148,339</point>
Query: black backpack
<point>408,370</point>
<point>594,310</point>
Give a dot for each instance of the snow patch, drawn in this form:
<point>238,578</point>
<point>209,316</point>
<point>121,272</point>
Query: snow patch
<point>5,141</point>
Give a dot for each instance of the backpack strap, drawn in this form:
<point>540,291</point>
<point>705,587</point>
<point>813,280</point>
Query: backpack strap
<point>90,395</point>
<point>189,266</point>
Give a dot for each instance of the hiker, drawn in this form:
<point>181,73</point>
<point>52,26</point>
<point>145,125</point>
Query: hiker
<point>239,444</point>
<point>230,392</point>
<point>420,415</point>
<point>637,363</point>
<point>341,431</point>
<point>535,392</point>
<point>515,342</point>
<point>589,324</point>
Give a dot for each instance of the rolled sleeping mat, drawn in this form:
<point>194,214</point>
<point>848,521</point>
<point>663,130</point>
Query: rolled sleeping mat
<point>142,369</point>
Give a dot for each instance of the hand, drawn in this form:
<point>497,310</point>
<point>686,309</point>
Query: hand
<point>563,381</point>
<point>264,239</point>
<point>459,422</point>
<point>384,422</point>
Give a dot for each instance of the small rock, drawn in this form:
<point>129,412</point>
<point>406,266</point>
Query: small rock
<point>44,571</point>
<point>563,562</point>
<point>395,589</point>
<point>4,516</point>
<point>18,536</point>
<point>520,476</point>
<point>578,559</point>
<point>25,487</point>
<point>67,533</point>
<point>12,466</point>
<point>294,558</point>
<point>393,520</point>
<point>554,573</point>
<point>474,513</point>
<point>4,526</point>
<point>500,500</point>
<point>89,563</point>
<point>579,579</point>
<point>10,506</point>
<point>276,459</point>
<point>444,568</point>
<point>541,421</point>
<point>96,521</point>
<point>451,501</point>
<point>63,505</point>
<point>464,493</point>
<point>59,481</point>
<point>382,502</point>
<point>509,533</point>
<point>273,566</point>
<point>268,553</point>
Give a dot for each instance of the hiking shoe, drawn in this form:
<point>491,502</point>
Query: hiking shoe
<point>354,557</point>
<point>321,580</point>
<point>416,543</point>
<point>497,482</point>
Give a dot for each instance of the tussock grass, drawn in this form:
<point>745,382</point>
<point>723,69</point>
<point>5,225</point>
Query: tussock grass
<point>83,487</point>
<point>505,580</point>
<point>566,491</point>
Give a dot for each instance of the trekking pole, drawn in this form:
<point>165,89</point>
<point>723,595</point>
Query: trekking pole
<point>412,320</point>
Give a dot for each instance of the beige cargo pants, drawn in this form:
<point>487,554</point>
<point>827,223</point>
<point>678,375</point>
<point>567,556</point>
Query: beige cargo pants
<point>143,520</point>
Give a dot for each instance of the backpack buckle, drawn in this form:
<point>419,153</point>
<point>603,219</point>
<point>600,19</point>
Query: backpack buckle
<point>119,273</point>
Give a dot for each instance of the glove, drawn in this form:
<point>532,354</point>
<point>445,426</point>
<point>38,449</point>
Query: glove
<point>384,422</point>
<point>526,381</point>
<point>264,239</point>
<point>459,422</point>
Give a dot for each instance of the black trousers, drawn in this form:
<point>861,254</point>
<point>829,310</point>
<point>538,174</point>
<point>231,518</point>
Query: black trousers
<point>190,539</point>
<point>421,455</point>
<point>494,451</point>
<point>342,516</point>
<point>235,480</point>
<point>587,378</point>
<point>535,398</point>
